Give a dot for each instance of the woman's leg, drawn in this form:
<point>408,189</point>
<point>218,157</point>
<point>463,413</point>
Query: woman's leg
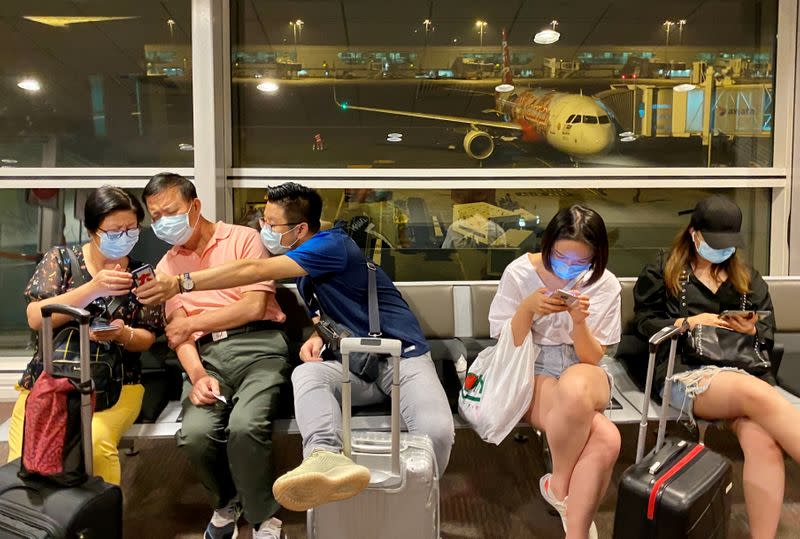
<point>763,477</point>
<point>731,395</point>
<point>579,393</point>
<point>108,427</point>
<point>17,426</point>
<point>592,474</point>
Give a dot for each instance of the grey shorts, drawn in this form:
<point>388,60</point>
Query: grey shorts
<point>554,359</point>
<point>686,386</point>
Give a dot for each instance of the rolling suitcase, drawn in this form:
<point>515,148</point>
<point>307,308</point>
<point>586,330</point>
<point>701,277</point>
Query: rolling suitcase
<point>36,508</point>
<point>679,489</point>
<point>402,499</point>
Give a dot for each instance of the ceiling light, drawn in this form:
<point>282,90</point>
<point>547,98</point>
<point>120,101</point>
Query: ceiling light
<point>63,22</point>
<point>626,134</point>
<point>684,87</point>
<point>185,147</point>
<point>627,139</point>
<point>9,161</point>
<point>546,37</point>
<point>504,88</point>
<point>397,135</point>
<point>30,85</point>
<point>268,87</point>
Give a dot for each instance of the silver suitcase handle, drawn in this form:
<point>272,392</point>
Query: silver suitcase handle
<point>378,346</point>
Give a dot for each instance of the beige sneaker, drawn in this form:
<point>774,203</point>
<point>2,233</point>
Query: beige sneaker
<point>322,477</point>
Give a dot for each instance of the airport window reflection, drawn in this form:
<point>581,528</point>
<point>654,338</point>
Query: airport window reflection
<point>473,234</point>
<point>93,83</point>
<point>31,222</point>
<point>471,83</point>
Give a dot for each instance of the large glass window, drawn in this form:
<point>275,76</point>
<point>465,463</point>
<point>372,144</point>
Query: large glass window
<point>358,83</point>
<point>472,234</point>
<point>94,83</point>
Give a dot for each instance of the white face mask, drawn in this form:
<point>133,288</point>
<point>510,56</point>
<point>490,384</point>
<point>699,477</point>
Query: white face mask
<point>272,240</point>
<point>174,229</point>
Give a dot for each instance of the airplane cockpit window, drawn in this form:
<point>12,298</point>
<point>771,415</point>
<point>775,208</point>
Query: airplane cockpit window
<point>576,119</point>
<point>589,119</point>
<point>604,119</point>
<point>571,117</point>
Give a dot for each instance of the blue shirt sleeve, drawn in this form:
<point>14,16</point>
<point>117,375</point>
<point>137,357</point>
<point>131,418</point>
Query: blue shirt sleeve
<point>324,253</point>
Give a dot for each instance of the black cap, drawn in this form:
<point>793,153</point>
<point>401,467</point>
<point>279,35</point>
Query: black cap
<point>720,221</point>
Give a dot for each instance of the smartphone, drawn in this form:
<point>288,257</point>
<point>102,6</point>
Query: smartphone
<point>99,324</point>
<point>142,275</point>
<point>744,314</point>
<point>566,296</point>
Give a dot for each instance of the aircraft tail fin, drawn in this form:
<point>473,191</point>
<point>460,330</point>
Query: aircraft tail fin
<point>506,73</point>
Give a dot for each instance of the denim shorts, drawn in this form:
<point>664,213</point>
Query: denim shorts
<point>554,359</point>
<point>686,386</point>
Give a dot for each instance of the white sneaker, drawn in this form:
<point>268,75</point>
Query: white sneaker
<point>269,529</point>
<point>560,505</point>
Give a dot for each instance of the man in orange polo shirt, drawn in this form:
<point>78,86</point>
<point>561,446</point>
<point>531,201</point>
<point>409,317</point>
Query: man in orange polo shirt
<point>234,355</point>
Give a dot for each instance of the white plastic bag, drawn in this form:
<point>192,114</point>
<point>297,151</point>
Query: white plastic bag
<point>498,388</point>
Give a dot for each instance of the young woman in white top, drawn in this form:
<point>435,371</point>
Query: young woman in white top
<point>571,390</point>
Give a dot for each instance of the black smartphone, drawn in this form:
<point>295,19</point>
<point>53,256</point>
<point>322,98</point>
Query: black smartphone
<point>101,324</point>
<point>142,275</point>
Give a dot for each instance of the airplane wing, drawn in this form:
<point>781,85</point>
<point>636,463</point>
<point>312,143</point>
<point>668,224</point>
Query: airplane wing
<point>439,117</point>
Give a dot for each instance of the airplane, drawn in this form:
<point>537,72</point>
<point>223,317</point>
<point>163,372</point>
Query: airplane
<point>576,125</point>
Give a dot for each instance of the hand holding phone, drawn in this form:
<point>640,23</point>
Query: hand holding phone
<point>142,275</point>
<point>567,296</point>
<point>99,324</point>
<point>743,314</point>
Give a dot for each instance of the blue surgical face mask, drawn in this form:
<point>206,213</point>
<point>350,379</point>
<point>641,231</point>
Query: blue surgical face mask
<point>566,271</point>
<point>114,245</point>
<point>715,256</point>
<point>272,241</point>
<point>174,229</point>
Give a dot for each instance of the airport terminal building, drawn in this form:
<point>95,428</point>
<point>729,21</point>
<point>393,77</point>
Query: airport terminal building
<point>442,138</point>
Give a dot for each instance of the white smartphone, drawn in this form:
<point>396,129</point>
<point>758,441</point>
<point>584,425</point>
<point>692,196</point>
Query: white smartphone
<point>566,296</point>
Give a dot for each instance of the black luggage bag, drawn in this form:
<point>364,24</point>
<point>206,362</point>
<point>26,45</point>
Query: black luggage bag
<point>42,509</point>
<point>679,489</point>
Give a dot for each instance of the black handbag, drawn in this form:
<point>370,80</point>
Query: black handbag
<point>106,363</point>
<point>362,364</point>
<point>712,345</point>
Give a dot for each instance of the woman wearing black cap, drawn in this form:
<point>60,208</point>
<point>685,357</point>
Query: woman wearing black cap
<point>702,277</point>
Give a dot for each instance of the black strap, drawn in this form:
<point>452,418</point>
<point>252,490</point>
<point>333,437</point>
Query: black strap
<point>372,292</point>
<point>372,301</point>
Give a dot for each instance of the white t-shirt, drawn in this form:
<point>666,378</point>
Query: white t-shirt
<point>520,280</point>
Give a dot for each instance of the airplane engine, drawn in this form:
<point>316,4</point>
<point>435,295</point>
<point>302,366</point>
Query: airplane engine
<point>478,144</point>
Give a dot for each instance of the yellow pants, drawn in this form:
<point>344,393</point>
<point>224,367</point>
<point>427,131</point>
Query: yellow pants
<point>108,427</point>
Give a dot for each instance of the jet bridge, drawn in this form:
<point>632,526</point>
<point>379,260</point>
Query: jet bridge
<point>708,109</point>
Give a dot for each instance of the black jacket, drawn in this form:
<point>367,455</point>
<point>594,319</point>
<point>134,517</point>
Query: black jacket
<point>656,308</point>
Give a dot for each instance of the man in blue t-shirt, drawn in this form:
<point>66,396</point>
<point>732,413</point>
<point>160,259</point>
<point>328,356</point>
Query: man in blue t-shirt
<point>332,276</point>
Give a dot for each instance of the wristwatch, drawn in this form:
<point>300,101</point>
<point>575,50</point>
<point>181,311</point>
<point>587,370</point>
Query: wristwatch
<point>185,282</point>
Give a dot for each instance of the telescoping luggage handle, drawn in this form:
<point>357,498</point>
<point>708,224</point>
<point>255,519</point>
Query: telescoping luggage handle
<point>83,318</point>
<point>374,345</point>
<point>671,333</point>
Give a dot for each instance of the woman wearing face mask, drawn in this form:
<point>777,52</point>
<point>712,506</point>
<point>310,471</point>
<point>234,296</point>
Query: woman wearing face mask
<point>702,277</point>
<point>112,217</point>
<point>571,390</point>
